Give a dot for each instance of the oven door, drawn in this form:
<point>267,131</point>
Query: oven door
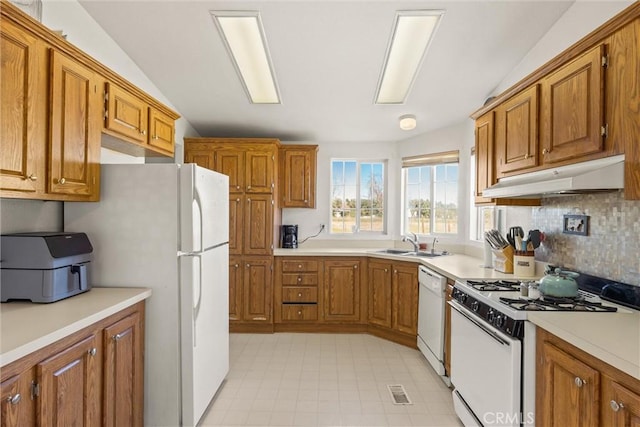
<point>485,370</point>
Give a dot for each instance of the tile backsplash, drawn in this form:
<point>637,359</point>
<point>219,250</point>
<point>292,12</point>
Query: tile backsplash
<point>612,247</point>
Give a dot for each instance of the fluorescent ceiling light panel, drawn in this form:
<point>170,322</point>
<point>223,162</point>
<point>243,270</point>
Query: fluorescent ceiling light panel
<point>412,33</point>
<point>244,39</point>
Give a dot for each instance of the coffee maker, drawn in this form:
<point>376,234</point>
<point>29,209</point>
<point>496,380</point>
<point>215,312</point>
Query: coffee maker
<point>289,236</point>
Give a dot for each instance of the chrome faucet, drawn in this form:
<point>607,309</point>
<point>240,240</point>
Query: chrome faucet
<point>414,242</point>
<point>433,245</point>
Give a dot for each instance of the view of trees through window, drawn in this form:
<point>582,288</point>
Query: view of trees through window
<point>357,196</point>
<point>431,199</point>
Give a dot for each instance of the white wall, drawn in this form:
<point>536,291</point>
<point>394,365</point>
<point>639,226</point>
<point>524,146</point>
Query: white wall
<point>579,20</point>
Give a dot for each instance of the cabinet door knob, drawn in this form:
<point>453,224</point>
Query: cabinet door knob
<point>143,132</point>
<point>248,187</point>
<point>31,177</point>
<point>355,266</point>
<point>299,265</point>
<point>616,406</point>
<point>299,294</point>
<point>118,337</point>
<point>155,137</point>
<point>236,266</point>
<point>579,382</point>
<point>545,151</point>
<point>14,399</point>
<point>299,279</point>
<point>306,201</point>
<point>237,200</point>
<point>526,156</point>
<point>386,270</point>
<point>93,351</point>
<point>237,187</point>
<point>61,181</point>
<point>300,313</point>
<point>248,265</point>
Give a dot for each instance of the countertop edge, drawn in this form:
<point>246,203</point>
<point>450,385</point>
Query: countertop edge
<point>45,340</point>
<point>594,350</point>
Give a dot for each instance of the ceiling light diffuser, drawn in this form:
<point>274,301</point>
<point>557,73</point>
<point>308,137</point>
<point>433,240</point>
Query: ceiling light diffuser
<point>412,33</point>
<point>408,122</point>
<point>243,36</point>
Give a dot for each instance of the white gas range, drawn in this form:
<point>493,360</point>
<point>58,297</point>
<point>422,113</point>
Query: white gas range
<point>493,349</point>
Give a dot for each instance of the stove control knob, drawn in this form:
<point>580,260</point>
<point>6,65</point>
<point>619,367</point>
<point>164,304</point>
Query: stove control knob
<point>491,315</point>
<point>475,306</point>
<point>500,318</point>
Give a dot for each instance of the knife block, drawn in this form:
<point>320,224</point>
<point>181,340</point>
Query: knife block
<point>503,259</point>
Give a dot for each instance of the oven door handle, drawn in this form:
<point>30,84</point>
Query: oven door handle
<point>489,332</point>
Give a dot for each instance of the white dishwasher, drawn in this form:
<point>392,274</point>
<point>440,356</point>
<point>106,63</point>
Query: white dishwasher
<point>431,317</point>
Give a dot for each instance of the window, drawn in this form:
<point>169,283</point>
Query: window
<point>481,218</point>
<point>431,194</point>
<point>358,196</point>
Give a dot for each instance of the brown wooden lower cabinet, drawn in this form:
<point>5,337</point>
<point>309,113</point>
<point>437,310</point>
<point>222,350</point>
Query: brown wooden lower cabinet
<point>380,293</point>
<point>92,377</point>
<point>250,292</point>
<point>342,290</point>
<point>404,298</point>
<point>574,388</point>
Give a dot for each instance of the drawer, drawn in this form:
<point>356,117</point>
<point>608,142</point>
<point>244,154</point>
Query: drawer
<point>300,279</point>
<point>289,266</point>
<point>299,312</point>
<point>299,294</point>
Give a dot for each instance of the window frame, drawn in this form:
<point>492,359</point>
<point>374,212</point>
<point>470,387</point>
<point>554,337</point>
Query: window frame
<point>476,213</point>
<point>385,183</point>
<point>431,160</point>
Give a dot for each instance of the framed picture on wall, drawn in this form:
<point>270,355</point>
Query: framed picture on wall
<point>576,224</point>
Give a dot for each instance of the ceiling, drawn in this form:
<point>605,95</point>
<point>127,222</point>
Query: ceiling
<point>327,57</point>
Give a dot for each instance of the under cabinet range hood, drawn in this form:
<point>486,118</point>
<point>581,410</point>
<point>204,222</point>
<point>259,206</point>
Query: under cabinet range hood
<point>594,176</point>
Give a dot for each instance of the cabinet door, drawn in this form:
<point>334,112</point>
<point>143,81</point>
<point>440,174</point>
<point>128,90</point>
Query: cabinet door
<point>379,279</point>
<point>235,288</point>
<point>76,108</point>
<point>297,181</point>
<point>572,106</point>
<point>342,290</point>
<point>405,298</point>
<point>18,407</point>
<point>161,131</point>
<point>22,130</point>
<point>570,392</point>
<point>258,292</point>
<point>236,223</point>
<point>517,132</point>
<point>127,114</point>
<point>230,162</point>
<point>621,406</point>
<point>447,329</point>
<point>70,385</point>
<point>485,176</point>
<point>204,158</point>
<point>259,171</point>
<point>123,401</point>
<point>258,224</point>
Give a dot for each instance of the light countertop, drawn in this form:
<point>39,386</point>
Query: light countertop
<point>611,337</point>
<point>26,327</point>
<point>454,266</point>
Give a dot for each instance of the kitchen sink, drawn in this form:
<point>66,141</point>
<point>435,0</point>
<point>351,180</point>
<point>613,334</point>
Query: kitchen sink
<point>394,251</point>
<point>427,254</point>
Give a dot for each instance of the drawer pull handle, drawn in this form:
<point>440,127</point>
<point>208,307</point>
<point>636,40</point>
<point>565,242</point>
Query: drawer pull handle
<point>579,382</point>
<point>616,406</point>
<point>300,313</point>
<point>92,352</point>
<point>15,399</point>
<point>299,265</point>
<point>299,294</point>
<point>299,279</point>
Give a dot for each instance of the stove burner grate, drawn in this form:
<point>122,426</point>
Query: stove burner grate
<point>499,285</point>
<point>557,304</point>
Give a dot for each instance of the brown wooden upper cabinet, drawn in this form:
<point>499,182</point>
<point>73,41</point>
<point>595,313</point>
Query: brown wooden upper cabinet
<point>74,162</point>
<point>298,176</point>
<point>132,118</point>
<point>260,171</point>
<point>485,176</point>
<point>572,108</point>
<point>517,132</point>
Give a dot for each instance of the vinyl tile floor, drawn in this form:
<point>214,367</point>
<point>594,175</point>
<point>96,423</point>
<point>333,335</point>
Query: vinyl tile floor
<point>301,379</point>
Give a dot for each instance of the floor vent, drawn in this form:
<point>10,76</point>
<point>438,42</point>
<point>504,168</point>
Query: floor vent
<point>399,395</point>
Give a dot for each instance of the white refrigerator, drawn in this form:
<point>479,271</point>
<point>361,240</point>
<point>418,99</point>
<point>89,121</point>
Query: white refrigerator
<point>166,227</point>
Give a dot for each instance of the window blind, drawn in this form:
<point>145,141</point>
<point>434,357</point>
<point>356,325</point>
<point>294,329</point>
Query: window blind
<point>431,159</point>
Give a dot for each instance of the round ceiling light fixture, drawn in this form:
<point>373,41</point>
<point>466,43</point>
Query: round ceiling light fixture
<point>408,122</point>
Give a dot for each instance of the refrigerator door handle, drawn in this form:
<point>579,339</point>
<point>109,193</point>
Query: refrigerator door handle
<point>200,226</point>
<point>197,299</point>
